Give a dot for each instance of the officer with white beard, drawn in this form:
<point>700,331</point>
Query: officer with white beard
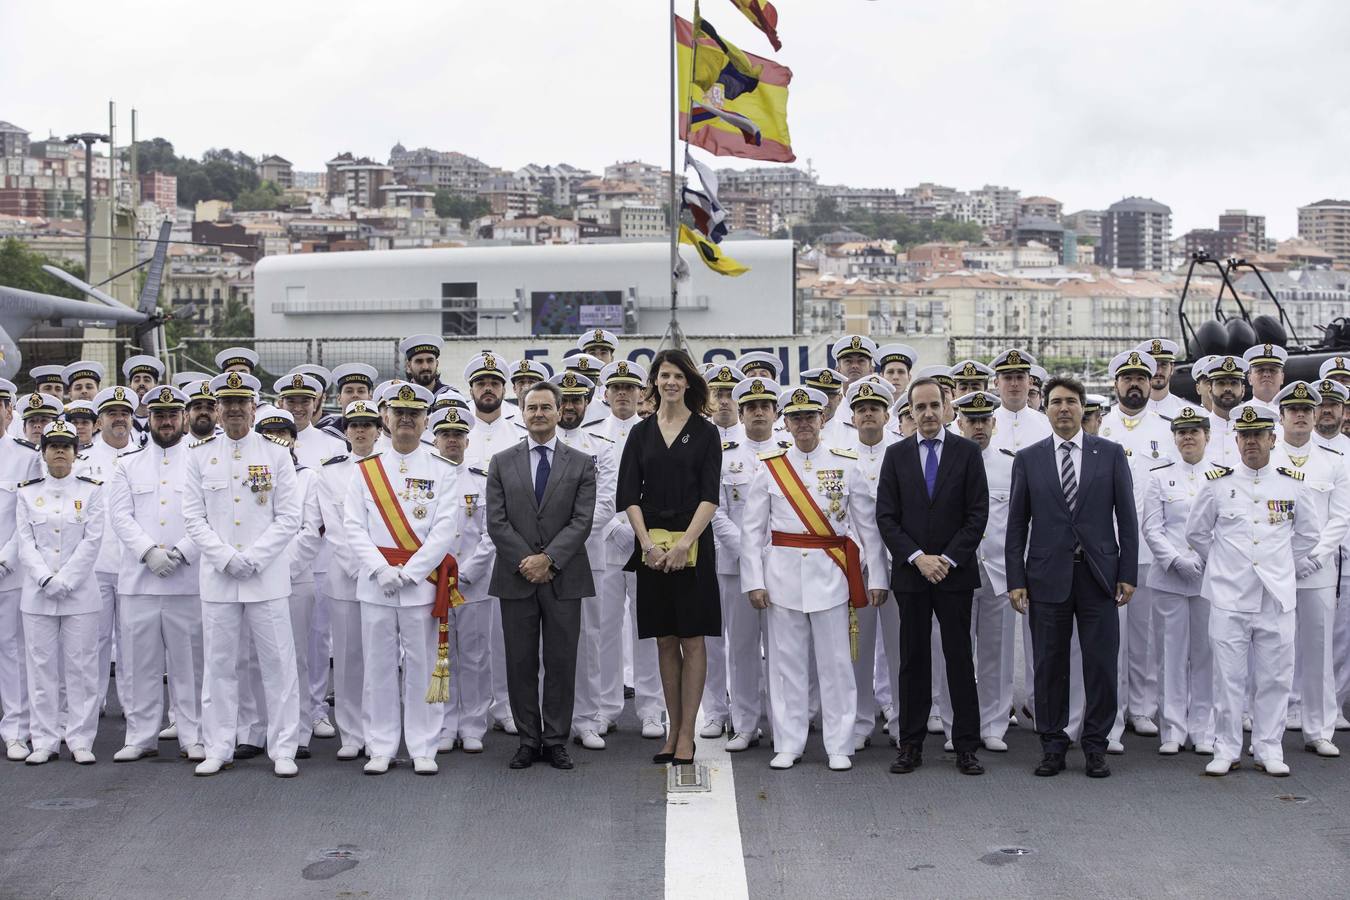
<point>1181,612</point>
<point>1256,530</point>
<point>466,710</point>
<point>1147,441</point>
<point>242,506</point>
<point>60,524</point>
<point>160,612</point>
<point>19,462</point>
<point>360,424</point>
<point>1328,492</point>
<point>623,382</point>
<point>601,626</point>
<point>399,520</point>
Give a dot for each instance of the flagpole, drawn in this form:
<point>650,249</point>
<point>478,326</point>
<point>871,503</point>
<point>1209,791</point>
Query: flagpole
<point>673,329</point>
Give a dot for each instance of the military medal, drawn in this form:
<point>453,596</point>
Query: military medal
<point>831,484</point>
<point>1155,449</point>
<point>470,503</point>
<point>37,502</point>
<point>420,511</point>
<point>79,509</point>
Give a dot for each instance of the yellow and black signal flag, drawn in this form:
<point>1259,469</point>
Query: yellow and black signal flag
<point>710,253</point>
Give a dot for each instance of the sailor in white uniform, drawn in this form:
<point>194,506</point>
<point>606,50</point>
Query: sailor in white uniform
<point>19,462</point>
<point>895,362</point>
<point>1161,400</point>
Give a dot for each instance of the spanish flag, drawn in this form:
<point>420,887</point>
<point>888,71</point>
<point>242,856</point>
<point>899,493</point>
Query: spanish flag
<point>764,17</point>
<point>747,118</point>
<point>710,253</point>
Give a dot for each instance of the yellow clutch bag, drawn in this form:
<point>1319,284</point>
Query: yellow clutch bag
<point>667,539</point>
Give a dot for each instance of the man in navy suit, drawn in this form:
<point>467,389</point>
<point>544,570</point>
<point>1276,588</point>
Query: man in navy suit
<point>932,508</point>
<point>1072,495</point>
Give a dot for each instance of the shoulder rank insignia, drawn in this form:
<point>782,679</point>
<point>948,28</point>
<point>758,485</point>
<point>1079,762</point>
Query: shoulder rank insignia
<point>847,454</point>
<point>30,481</point>
<point>785,444</point>
<point>132,452</point>
<point>23,443</point>
<point>1217,473</point>
<point>334,459</point>
<point>729,445</point>
<point>1164,418</point>
<point>1331,449</point>
<point>603,438</point>
<point>205,440</point>
<point>1127,451</point>
<point>522,426</point>
<point>444,459</point>
<point>771,454</point>
<point>1007,451</point>
<point>1292,473</point>
<point>95,481</point>
<point>477,471</point>
<point>276,440</point>
<point>1161,466</point>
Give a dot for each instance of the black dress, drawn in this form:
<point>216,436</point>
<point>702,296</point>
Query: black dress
<point>668,483</point>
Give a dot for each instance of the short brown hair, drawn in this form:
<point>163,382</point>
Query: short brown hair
<point>549,386</point>
<point>1068,382</point>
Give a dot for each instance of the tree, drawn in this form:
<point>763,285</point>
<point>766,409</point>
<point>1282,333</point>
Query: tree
<point>22,268</point>
<point>455,206</point>
<point>265,196</point>
<point>236,321</point>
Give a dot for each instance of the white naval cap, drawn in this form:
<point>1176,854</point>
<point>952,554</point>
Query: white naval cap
<point>572,383</point>
<point>420,343</point>
<point>1252,416</point>
<point>1136,362</point>
<point>116,396</point>
<point>165,396</point>
<point>800,400</point>
<point>297,384</point>
<point>970,370</point>
<point>1013,359</point>
<point>355,373</point>
<point>7,389</point>
<point>598,337</point>
<point>81,409</point>
<point>535,369</point>
<point>235,384</point>
<point>758,359</point>
<point>143,364</point>
<point>485,365</point>
<point>232,357</point>
<point>977,404</point>
<point>452,419</point>
<point>364,411</point>
<point>41,405</point>
<point>722,375</point>
<point>1333,390</point>
<point>869,391</point>
<point>1299,393</point>
<point>324,375</point>
<point>182,379</point>
<point>1265,355</point>
<point>48,374</point>
<point>624,372</point>
<point>1160,349</point>
<point>1226,367</point>
<point>85,368</point>
<point>58,432</point>
<point>1336,365</point>
<point>901,353</point>
<point>584,363</point>
<point>854,345</point>
<point>752,389</point>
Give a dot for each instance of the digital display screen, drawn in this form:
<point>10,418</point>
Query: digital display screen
<point>572,312</point>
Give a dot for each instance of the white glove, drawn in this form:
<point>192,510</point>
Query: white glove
<point>56,589</point>
<point>405,580</point>
<point>238,567</point>
<point>159,562</point>
<point>1189,567</point>
<point>1307,566</point>
<point>390,579</point>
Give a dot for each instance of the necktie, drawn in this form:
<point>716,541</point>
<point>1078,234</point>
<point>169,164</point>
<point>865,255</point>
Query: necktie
<point>1067,476</point>
<point>541,475</point>
<point>930,465</point>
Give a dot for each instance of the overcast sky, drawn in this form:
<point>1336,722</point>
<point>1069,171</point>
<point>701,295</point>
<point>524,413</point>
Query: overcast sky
<point>1201,105</point>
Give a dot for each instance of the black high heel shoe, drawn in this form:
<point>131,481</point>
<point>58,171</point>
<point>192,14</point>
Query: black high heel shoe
<point>676,761</point>
<point>662,758</point>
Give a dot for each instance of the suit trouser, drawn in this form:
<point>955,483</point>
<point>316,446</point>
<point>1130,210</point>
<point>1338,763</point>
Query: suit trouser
<point>388,633</point>
<point>107,637</point>
<point>744,636</point>
<point>952,609</point>
<point>1077,699</point>
<point>792,635</point>
<point>13,678</point>
<point>994,632</point>
<point>525,621</point>
<point>1314,673</point>
<point>348,671</point>
<point>1094,611</point>
<point>224,628</point>
<point>1142,654</point>
<point>62,651</point>
<point>466,712</point>
<point>649,697</point>
<point>1186,674</point>
<point>319,650</point>
<point>878,639</point>
<point>1268,637</point>
<point>160,634</point>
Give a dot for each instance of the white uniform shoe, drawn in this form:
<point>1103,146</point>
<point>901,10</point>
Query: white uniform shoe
<point>861,742</point>
<point>1115,748</point>
<point>425,765</point>
<point>713,729</point>
<point>590,740</point>
<point>508,725</point>
<point>446,744</point>
<point>348,751</point>
<point>324,728</point>
<point>285,768</point>
<point>1342,723</point>
<point>1143,726</point>
<point>196,753</point>
<point>935,724</point>
<point>1322,748</point>
<point>38,757</point>
<point>1219,766</point>
<point>652,729</point>
<point>471,745</point>
<point>948,746</point>
<point>840,763</point>
<point>169,734</point>
<point>740,741</point>
<point>377,765</point>
<point>83,757</point>
<point>211,765</point>
<point>783,761</point>
<point>1277,767</point>
<point>1169,748</point>
<point>995,745</point>
<point>16,751</point>
<point>1204,749</point>
<point>131,754</point>
<point>1293,721</point>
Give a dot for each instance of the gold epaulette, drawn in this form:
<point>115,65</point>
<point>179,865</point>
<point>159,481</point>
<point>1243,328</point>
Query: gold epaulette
<point>205,440</point>
<point>333,459</point>
<point>1220,472</point>
<point>276,440</point>
<point>444,459</point>
<point>847,454</point>
<point>95,481</point>
<point>1292,473</point>
<point>729,445</point>
<point>772,454</point>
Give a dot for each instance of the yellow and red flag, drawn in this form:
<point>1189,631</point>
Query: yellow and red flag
<point>763,16</point>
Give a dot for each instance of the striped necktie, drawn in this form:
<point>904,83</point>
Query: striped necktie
<point>1067,477</point>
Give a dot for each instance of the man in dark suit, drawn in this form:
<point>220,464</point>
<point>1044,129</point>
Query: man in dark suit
<point>540,500</point>
<point>932,507</point>
<point>1072,494</point>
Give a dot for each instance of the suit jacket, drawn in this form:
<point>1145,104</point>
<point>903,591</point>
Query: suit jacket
<point>520,526</point>
<point>951,523</point>
<point>1037,510</point>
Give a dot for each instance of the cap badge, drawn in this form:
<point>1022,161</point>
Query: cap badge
<point>407,393</point>
<point>166,396</point>
<point>234,380</point>
<point>799,397</point>
<point>489,362</point>
<point>724,374</point>
<point>756,387</point>
<point>1249,415</point>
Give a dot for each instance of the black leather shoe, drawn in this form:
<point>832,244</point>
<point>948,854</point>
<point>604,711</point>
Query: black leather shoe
<point>1051,764</point>
<point>524,758</point>
<point>558,757</point>
<point>662,759</point>
<point>302,753</point>
<point>246,751</point>
<point>968,764</point>
<point>1096,766</point>
<point>909,759</point>
<point>677,761</point>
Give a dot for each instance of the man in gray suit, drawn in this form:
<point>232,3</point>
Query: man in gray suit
<point>540,500</point>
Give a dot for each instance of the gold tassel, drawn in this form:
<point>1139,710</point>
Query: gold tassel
<point>439,691</point>
<point>853,632</point>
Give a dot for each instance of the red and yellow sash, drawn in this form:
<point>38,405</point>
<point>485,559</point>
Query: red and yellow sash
<point>820,535</point>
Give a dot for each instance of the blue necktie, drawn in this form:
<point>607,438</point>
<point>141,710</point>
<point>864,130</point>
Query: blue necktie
<point>541,475</point>
<point>930,466</point>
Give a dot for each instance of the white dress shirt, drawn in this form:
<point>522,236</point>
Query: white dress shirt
<point>552,446</point>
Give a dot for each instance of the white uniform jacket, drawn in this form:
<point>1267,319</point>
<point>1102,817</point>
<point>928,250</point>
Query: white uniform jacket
<point>19,462</point>
<point>305,545</point>
<point>61,522</point>
<point>998,466</point>
<point>472,547</point>
<point>145,504</point>
<point>1168,498</point>
<point>98,461</point>
<point>1325,481</point>
<point>1147,439</point>
<point>333,478</point>
<point>601,450</point>
<point>739,463</point>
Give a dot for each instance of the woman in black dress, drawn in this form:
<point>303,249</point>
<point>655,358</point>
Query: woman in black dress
<point>668,480</point>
